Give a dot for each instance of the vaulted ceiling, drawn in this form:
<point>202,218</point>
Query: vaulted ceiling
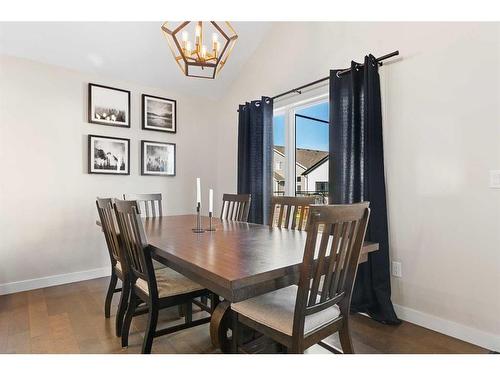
<point>131,51</point>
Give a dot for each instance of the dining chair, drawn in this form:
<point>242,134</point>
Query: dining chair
<point>118,271</point>
<point>290,212</point>
<point>235,207</point>
<point>152,203</point>
<point>157,289</point>
<point>302,315</point>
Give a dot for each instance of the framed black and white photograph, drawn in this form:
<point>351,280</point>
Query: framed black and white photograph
<point>157,158</point>
<point>108,155</point>
<point>159,114</point>
<point>109,106</point>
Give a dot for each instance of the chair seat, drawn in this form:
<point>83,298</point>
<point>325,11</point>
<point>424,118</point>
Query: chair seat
<point>169,283</point>
<point>276,310</point>
<point>156,266</point>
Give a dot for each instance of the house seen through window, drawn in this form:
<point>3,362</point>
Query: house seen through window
<point>307,127</point>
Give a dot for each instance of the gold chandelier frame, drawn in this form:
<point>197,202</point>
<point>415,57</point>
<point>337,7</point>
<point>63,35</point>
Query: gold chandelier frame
<point>212,60</point>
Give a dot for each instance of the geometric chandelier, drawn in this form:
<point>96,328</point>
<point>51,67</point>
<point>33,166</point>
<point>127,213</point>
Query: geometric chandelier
<point>197,57</point>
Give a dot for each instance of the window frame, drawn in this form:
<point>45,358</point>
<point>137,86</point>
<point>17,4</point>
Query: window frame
<point>289,110</point>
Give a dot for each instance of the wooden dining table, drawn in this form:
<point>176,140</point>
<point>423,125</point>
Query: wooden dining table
<point>237,261</point>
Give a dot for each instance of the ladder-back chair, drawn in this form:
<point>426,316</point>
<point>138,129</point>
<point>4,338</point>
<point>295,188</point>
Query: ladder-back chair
<point>118,270</point>
<point>290,212</point>
<point>158,289</point>
<point>149,204</point>
<point>300,316</point>
<point>235,207</point>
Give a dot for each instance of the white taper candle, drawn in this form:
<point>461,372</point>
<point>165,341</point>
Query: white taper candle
<point>198,191</point>
<point>211,201</point>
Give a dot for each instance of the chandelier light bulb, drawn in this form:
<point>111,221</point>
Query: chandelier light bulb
<point>185,36</point>
<point>214,41</point>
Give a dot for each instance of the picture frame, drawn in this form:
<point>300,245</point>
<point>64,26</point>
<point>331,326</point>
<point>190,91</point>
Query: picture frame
<point>159,114</point>
<point>108,106</point>
<point>158,158</point>
<point>108,155</point>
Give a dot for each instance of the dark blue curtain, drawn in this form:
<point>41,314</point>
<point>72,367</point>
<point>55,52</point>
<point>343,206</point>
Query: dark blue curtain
<point>255,156</point>
<point>357,174</point>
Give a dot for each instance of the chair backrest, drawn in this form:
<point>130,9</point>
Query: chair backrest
<point>149,202</point>
<point>135,243</point>
<point>290,212</point>
<point>235,207</point>
<point>108,222</point>
<point>335,236</point>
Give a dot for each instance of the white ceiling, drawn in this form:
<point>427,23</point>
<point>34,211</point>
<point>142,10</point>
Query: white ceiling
<point>131,51</point>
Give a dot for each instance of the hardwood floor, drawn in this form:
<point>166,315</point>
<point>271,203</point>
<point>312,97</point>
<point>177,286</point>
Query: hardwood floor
<point>70,319</point>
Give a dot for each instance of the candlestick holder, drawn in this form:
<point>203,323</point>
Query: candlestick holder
<point>210,227</point>
<point>198,228</point>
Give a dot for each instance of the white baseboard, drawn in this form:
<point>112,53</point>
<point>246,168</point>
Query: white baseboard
<point>447,327</point>
<point>43,282</point>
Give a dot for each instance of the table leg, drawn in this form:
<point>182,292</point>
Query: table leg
<point>220,326</point>
<point>214,301</point>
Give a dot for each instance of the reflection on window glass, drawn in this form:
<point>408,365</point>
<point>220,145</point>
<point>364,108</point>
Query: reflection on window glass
<point>279,155</point>
<point>311,153</point>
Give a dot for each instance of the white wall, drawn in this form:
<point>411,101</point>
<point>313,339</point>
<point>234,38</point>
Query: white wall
<point>319,174</point>
<point>442,136</point>
<point>47,199</point>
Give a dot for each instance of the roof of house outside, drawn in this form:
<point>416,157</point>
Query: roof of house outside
<point>305,158</point>
<point>278,176</point>
<point>314,166</point>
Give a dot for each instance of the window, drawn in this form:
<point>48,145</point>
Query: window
<point>322,186</point>
<point>311,146</point>
<point>279,154</point>
<point>301,144</point>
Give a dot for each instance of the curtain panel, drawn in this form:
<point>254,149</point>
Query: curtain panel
<point>357,174</point>
<point>255,156</point>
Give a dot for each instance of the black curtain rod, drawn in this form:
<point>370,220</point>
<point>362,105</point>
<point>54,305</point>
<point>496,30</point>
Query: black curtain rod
<point>340,73</point>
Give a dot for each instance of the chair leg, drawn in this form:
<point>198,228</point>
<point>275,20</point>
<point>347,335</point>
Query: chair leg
<point>132,305</point>
<point>180,310</point>
<point>345,338</point>
<point>284,349</point>
<point>109,294</point>
<point>188,308</point>
<point>122,307</point>
<point>295,349</point>
<point>151,329</point>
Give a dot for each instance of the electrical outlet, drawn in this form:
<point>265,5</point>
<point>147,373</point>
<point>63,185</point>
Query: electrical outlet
<point>397,269</point>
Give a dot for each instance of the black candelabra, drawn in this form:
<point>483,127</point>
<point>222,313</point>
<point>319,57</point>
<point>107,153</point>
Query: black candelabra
<point>210,228</point>
<point>198,228</point>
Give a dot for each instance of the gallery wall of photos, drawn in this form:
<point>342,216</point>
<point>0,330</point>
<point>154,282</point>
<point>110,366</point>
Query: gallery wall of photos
<point>110,106</point>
